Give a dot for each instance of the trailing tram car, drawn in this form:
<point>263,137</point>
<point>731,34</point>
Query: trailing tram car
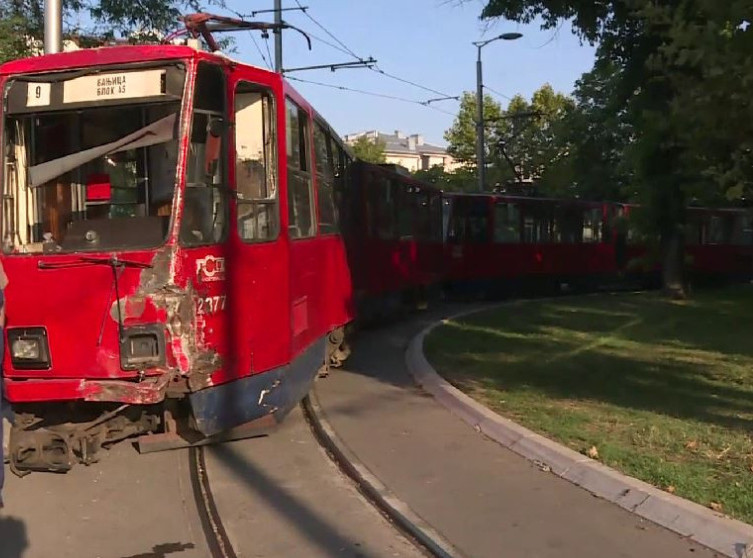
<point>171,235</point>
<point>394,239</point>
<point>498,245</point>
<point>719,244</point>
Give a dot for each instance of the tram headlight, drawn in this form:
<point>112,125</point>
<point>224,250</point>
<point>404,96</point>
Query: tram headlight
<point>142,347</point>
<point>26,349</point>
<point>29,348</point>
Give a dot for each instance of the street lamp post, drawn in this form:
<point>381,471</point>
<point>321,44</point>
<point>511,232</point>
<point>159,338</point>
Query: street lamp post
<point>480,162</point>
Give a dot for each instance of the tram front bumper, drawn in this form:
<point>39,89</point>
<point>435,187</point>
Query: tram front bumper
<point>149,391</point>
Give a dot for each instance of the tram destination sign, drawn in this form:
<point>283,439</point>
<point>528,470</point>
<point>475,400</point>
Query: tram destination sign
<point>114,86</point>
<point>103,86</point>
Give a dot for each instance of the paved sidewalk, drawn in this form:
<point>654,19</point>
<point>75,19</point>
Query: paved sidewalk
<point>486,500</point>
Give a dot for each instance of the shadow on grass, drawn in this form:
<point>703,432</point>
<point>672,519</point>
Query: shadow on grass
<point>689,360</point>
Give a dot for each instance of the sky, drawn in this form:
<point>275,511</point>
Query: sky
<point>427,42</point>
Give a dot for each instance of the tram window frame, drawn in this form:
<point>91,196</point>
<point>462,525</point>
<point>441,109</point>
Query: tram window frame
<point>267,203</point>
<point>210,100</point>
<point>300,180</point>
<point>324,160</point>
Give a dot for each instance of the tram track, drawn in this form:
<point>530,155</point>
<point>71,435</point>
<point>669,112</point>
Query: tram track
<point>402,521</point>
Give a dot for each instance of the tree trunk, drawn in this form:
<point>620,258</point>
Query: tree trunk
<point>673,262</point>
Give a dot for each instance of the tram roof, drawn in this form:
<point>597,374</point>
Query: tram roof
<point>112,55</point>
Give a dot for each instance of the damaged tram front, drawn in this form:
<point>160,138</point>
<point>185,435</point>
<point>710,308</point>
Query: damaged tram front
<point>115,238</point>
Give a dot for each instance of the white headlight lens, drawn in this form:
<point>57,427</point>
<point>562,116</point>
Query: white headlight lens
<point>25,349</point>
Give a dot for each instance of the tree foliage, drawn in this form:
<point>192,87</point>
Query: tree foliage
<point>369,150</point>
<point>461,137</point>
<point>521,140</point>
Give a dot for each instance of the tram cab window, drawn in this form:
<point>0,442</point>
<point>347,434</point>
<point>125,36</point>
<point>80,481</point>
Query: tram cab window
<point>326,154</point>
<point>98,177</point>
<point>300,195</point>
<point>256,163</point>
<point>205,200</point>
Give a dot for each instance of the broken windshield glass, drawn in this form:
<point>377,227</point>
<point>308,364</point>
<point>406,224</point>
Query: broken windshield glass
<point>99,178</point>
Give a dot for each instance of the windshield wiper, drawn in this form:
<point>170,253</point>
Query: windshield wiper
<point>117,265</point>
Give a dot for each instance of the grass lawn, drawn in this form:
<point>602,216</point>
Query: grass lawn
<point>663,390</point>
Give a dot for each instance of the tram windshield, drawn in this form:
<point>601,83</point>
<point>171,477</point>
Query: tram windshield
<point>90,160</point>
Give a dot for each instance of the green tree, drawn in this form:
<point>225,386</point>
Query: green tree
<point>531,133</point>
<point>661,51</point>
<point>461,137</point>
<point>369,150</point>
<point>595,136</point>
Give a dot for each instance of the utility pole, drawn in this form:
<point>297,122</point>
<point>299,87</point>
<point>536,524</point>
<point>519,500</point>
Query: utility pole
<point>480,162</point>
<point>278,36</point>
<point>53,26</point>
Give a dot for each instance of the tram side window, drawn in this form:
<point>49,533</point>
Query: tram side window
<point>423,216</point>
<point>506,223</point>
<point>300,195</point>
<point>205,201</point>
<point>381,208</point>
<point>743,230</point>
<point>592,225</point>
<point>405,208</point>
<point>435,216</point>
<point>478,222</point>
<point>256,163</point>
<point>326,154</point>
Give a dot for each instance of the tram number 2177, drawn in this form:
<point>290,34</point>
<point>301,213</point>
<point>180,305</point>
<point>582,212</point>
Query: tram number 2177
<point>211,304</point>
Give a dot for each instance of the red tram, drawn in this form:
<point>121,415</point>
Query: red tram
<point>170,228</point>
<point>394,239</point>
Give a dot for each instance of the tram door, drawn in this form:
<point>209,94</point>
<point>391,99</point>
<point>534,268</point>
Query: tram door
<point>258,261</point>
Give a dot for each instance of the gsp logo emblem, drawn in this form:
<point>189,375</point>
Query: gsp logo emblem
<point>210,269</point>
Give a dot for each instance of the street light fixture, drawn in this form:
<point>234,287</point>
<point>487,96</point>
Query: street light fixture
<point>480,106</point>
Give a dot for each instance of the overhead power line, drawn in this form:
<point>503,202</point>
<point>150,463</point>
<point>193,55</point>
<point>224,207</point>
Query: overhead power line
<point>338,41</point>
<point>498,93</point>
<point>347,50</point>
<point>371,94</point>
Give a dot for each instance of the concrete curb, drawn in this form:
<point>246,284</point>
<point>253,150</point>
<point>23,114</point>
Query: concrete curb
<point>728,536</point>
<point>372,488</point>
